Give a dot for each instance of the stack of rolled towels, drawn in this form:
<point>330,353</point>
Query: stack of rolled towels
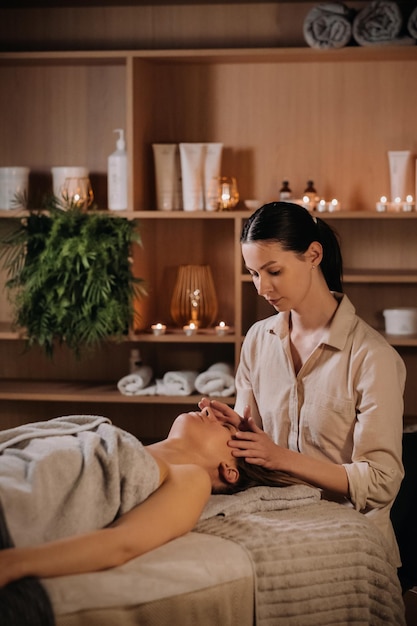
<point>217,380</point>
<point>381,22</point>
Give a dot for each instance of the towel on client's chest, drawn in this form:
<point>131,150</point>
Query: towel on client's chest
<point>70,475</point>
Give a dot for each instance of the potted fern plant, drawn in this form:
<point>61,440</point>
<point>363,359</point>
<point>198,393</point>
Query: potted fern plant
<point>69,276</point>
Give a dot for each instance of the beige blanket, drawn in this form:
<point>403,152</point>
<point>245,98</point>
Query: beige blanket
<point>316,565</point>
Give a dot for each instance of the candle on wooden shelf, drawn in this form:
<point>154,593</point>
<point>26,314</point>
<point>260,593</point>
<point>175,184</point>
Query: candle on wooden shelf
<point>190,329</point>
<point>222,329</point>
<point>382,205</point>
<point>158,329</point>
<point>408,205</point>
<point>334,205</point>
<point>396,205</point>
<point>322,205</point>
<point>307,204</point>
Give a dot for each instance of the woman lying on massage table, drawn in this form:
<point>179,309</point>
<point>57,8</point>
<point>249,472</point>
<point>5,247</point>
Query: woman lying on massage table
<point>194,461</point>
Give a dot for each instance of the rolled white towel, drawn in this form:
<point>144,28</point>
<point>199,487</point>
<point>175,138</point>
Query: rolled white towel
<point>177,383</point>
<point>217,380</point>
<point>328,25</point>
<point>379,22</point>
<point>412,23</point>
<point>131,384</point>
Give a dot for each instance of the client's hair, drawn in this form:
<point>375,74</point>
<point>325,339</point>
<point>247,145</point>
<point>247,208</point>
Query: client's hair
<point>251,475</point>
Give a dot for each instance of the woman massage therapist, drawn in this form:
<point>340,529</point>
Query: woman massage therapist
<point>194,461</point>
<point>322,390</point>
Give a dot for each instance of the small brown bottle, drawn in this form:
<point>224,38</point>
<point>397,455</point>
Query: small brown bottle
<point>285,192</point>
<point>311,193</point>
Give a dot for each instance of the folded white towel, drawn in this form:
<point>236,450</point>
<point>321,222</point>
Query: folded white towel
<point>217,380</point>
<point>177,383</point>
<point>131,384</point>
<point>262,498</point>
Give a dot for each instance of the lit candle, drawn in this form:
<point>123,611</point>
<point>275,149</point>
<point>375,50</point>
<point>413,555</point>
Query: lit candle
<point>306,203</point>
<point>382,205</point>
<point>222,329</point>
<point>408,205</point>
<point>190,329</point>
<point>158,329</point>
<point>321,206</point>
<point>396,205</point>
<point>334,205</point>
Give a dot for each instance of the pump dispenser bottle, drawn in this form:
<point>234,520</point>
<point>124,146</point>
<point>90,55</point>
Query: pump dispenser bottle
<point>117,175</point>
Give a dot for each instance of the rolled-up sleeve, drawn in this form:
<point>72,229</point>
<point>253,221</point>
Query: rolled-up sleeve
<point>376,471</point>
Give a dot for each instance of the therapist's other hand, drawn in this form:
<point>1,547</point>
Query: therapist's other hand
<point>255,446</point>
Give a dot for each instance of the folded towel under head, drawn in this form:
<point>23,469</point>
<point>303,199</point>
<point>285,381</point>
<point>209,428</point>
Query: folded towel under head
<point>380,22</point>
<point>177,383</point>
<point>131,384</point>
<point>328,25</point>
<point>217,380</point>
<point>262,498</point>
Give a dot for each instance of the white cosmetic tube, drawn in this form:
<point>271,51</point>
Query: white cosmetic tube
<point>167,176</point>
<point>212,165</point>
<point>400,173</point>
<point>192,170</point>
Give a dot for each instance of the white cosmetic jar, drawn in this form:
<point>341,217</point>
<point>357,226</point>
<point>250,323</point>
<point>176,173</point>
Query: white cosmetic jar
<point>400,321</point>
<point>14,182</point>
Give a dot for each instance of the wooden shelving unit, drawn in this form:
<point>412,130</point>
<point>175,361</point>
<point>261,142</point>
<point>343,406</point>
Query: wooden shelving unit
<point>281,113</point>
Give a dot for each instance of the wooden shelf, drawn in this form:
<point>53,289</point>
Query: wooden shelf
<point>369,276</point>
<point>401,340</point>
<point>173,335</point>
<point>380,276</point>
<point>103,393</point>
<point>299,54</point>
<point>176,95</point>
<point>7,332</point>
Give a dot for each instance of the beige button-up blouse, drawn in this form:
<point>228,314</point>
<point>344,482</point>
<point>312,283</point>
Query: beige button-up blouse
<point>345,405</point>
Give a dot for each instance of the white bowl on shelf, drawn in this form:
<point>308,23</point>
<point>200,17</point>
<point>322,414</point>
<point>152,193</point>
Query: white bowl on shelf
<point>252,205</point>
<point>400,321</point>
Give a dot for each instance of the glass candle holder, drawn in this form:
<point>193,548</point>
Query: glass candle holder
<point>194,297</point>
<point>223,193</point>
<point>77,192</point>
<point>158,329</point>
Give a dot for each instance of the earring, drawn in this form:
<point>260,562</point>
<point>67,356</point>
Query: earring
<point>313,267</point>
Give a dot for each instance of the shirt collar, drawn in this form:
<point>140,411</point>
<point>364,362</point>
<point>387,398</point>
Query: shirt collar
<point>338,331</point>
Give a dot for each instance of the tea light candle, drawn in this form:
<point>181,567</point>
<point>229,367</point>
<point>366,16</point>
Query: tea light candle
<point>321,207</point>
<point>334,205</point>
<point>222,329</point>
<point>306,203</point>
<point>190,329</point>
<point>158,329</point>
<point>408,205</point>
<point>382,205</point>
<point>396,205</point>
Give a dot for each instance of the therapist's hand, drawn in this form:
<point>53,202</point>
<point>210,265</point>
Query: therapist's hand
<point>224,413</point>
<point>255,446</point>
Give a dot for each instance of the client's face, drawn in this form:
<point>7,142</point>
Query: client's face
<point>206,436</point>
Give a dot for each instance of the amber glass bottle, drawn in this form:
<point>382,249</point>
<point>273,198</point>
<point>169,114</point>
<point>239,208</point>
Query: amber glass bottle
<point>285,192</point>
